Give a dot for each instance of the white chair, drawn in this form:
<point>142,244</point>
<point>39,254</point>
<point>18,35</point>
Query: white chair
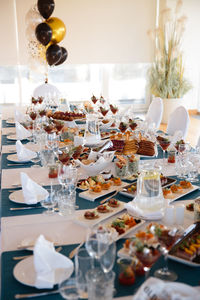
<point>178,121</point>
<point>155,112</point>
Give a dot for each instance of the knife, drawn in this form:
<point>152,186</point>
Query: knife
<point>21,296</point>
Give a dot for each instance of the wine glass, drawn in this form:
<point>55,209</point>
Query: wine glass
<point>107,259</point>
<point>68,289</point>
<point>67,176</point>
<point>96,244</point>
<point>164,144</point>
<point>49,203</point>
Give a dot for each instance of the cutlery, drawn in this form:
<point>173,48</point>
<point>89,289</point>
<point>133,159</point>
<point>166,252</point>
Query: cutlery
<point>104,200</point>
<point>25,256</point>
<point>21,296</point>
<point>75,250</point>
<point>25,207</point>
<point>16,164</point>
<point>33,207</point>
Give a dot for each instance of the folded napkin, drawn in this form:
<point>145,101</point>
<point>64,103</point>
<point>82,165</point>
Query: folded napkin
<point>134,210</point>
<point>32,191</point>
<point>46,261</point>
<point>21,132</point>
<point>19,117</point>
<point>94,168</point>
<point>165,290</point>
<point>23,153</point>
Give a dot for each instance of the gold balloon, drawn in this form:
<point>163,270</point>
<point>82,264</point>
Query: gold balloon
<point>58,29</point>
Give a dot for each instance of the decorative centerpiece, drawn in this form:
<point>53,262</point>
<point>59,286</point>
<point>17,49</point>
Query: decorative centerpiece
<point>166,75</point>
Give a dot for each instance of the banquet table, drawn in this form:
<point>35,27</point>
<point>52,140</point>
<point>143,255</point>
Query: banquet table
<point>19,225</point>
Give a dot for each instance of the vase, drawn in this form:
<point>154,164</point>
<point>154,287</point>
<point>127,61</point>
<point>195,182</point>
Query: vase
<point>169,105</point>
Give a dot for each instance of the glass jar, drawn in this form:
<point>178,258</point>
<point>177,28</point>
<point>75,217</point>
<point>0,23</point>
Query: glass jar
<point>171,154</point>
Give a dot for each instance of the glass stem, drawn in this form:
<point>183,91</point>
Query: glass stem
<point>163,157</point>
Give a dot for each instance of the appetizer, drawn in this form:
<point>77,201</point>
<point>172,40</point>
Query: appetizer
<point>190,207</point>
<point>104,208</point>
<point>91,215</point>
<point>185,184</point>
<point>113,203</point>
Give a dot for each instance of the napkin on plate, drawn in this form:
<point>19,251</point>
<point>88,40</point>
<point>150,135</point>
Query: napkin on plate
<point>46,261</point>
<point>19,117</point>
<point>32,191</point>
<point>23,153</point>
<point>165,290</point>
<point>21,132</point>
<point>134,210</point>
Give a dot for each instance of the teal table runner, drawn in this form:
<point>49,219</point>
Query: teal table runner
<point>10,286</point>
<point>4,124</point>
<point>5,164</point>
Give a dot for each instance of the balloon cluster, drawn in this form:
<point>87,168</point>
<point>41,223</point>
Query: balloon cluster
<point>44,35</point>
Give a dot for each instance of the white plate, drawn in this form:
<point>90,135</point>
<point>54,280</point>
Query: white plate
<point>94,145</point>
<point>24,272</point>
<point>183,261</point>
<point>17,197</point>
<point>12,137</point>
<point>92,196</point>
<point>14,158</point>
<point>10,121</point>
<point>80,219</point>
<point>177,196</point>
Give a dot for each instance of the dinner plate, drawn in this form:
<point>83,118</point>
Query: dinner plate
<point>80,219</point>
<point>17,197</point>
<point>10,121</point>
<point>12,137</point>
<point>14,158</point>
<point>24,272</point>
<point>92,196</point>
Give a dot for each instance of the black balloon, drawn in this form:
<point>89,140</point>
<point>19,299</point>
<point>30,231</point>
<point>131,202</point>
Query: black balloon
<point>63,57</point>
<point>43,33</point>
<point>53,54</point>
<point>46,7</point>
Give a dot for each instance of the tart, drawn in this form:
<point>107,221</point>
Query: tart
<point>113,203</point>
<point>91,215</point>
<point>103,209</point>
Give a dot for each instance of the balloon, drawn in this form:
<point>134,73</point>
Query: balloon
<point>33,18</point>
<point>43,33</point>
<point>58,29</point>
<point>37,51</point>
<point>46,7</point>
<point>53,54</point>
<point>63,57</point>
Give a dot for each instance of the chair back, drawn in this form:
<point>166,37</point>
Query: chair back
<point>155,112</point>
<point>178,121</point>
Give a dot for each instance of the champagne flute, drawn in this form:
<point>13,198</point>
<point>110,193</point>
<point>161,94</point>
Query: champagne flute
<point>107,259</point>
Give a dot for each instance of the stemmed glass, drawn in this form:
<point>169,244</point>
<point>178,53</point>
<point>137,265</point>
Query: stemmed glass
<point>49,203</point>
<point>96,243</point>
<point>68,289</point>
<point>164,273</point>
<point>164,144</point>
<point>146,255</point>
<point>67,177</point>
<point>107,259</point>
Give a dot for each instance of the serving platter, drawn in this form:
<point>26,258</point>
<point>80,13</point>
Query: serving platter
<point>189,232</point>
<point>92,196</point>
<point>80,219</point>
<point>175,196</point>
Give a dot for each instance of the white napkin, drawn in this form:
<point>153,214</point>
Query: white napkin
<point>23,153</point>
<point>46,261</point>
<point>32,191</point>
<point>134,210</point>
<point>94,168</point>
<point>19,117</point>
<point>165,290</point>
<point>21,132</point>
